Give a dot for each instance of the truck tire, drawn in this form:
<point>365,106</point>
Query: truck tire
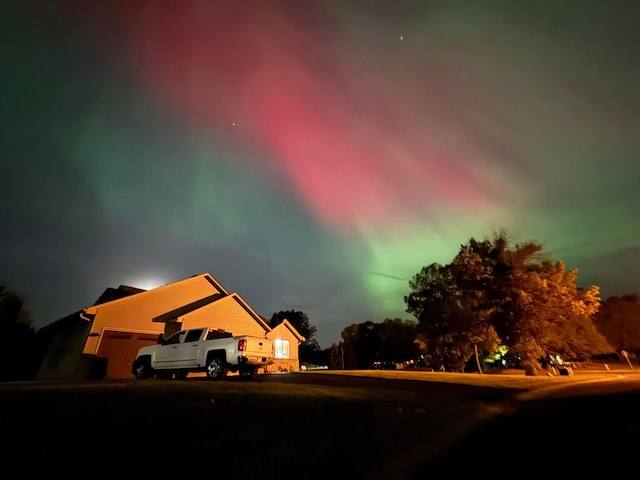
<point>248,373</point>
<point>216,368</point>
<point>143,369</point>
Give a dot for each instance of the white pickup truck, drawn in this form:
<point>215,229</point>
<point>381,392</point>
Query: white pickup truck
<point>208,350</point>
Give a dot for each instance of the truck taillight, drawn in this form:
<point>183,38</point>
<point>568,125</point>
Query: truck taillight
<point>242,345</point>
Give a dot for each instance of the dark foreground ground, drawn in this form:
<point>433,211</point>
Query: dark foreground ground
<point>593,436</point>
<point>306,426</point>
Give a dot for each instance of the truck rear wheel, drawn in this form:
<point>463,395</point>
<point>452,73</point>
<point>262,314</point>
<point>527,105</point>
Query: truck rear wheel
<point>248,373</point>
<point>216,368</point>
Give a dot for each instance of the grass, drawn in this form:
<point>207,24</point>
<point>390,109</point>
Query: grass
<point>320,424</point>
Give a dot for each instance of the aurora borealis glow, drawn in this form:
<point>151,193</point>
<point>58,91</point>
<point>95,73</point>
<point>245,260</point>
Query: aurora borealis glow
<point>312,155</point>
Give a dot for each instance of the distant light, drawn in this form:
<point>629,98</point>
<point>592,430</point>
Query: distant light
<point>233,124</point>
<point>400,37</point>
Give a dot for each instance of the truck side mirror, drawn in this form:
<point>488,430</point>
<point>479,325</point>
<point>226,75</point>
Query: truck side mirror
<point>161,338</point>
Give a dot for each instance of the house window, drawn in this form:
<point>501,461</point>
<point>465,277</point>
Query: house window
<point>282,348</point>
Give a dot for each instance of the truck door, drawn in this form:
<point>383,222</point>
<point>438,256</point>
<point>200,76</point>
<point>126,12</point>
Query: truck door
<point>186,352</point>
<point>167,353</point>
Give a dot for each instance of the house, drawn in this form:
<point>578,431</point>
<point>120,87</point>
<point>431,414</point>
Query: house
<point>286,340</point>
<point>101,341</point>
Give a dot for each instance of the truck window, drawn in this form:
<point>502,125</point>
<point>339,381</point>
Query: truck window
<point>213,334</point>
<point>193,335</point>
<point>173,339</point>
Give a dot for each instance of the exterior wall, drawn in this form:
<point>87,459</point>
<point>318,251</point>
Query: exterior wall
<point>226,314</point>
<point>281,331</point>
<point>136,312</point>
<point>291,364</point>
<point>283,365</point>
<point>64,353</point>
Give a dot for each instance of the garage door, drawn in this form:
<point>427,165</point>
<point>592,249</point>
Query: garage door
<point>120,349</point>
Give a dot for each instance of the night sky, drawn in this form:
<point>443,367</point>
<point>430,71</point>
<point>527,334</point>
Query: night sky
<point>312,155</point>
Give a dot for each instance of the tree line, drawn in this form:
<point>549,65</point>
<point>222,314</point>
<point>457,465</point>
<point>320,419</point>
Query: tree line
<point>19,354</point>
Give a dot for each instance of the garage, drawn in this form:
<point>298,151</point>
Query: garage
<point>119,348</point>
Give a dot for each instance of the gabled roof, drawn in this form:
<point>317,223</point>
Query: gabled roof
<point>122,291</point>
<point>213,282</point>
<point>292,329</point>
<point>168,288</point>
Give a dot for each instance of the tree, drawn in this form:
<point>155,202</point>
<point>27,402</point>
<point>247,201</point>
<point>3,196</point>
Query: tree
<point>451,319</point>
<point>348,360</point>
<point>17,355</point>
<point>432,297</point>
<point>618,319</point>
<point>564,313</point>
<point>366,344</point>
<point>492,293</point>
<point>532,303</point>
<point>474,271</point>
<point>13,309</point>
<point>433,302</point>
<point>336,356</point>
<point>308,350</point>
<point>398,340</point>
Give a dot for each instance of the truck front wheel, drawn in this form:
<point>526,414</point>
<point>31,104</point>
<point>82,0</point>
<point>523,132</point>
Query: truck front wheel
<point>143,369</point>
<point>216,368</point>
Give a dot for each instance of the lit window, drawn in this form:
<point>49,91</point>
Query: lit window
<point>282,348</point>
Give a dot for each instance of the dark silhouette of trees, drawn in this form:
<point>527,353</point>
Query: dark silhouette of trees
<point>398,340</point>
<point>619,321</point>
<point>367,345</point>
<point>343,353</point>
<point>18,356</point>
<point>376,345</point>
<point>335,356</point>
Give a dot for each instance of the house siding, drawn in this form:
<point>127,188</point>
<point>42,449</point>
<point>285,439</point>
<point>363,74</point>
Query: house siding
<point>227,314</point>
